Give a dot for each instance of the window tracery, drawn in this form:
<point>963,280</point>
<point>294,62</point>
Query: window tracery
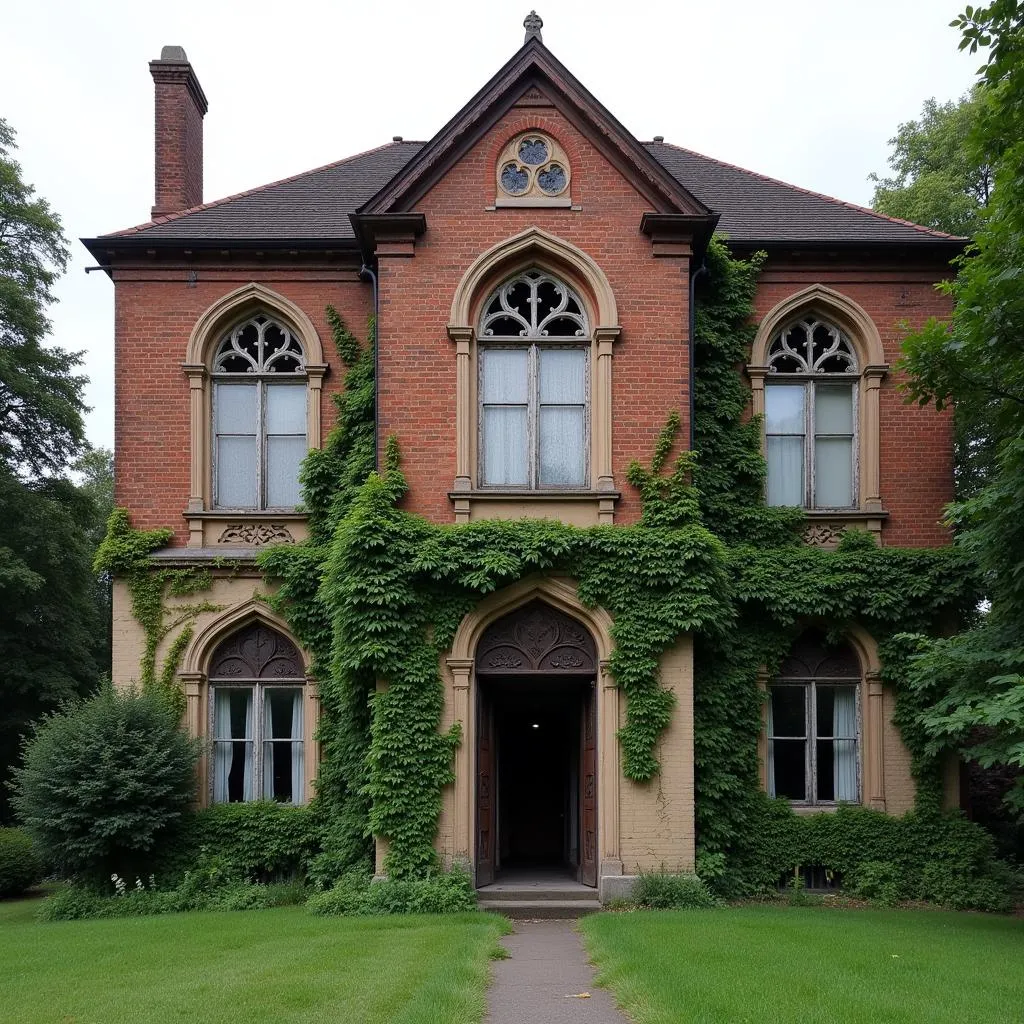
<point>259,345</point>
<point>533,168</point>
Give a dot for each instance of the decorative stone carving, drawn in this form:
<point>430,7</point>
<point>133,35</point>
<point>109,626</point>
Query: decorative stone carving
<point>823,535</point>
<point>256,652</point>
<point>256,533</point>
<point>536,639</point>
<point>813,658</point>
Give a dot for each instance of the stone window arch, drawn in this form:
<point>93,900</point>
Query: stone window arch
<point>532,170</point>
<point>255,367</point>
<point>816,369</point>
<point>534,304</point>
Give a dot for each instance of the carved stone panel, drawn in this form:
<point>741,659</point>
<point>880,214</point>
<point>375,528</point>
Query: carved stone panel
<point>256,652</point>
<point>536,639</point>
<point>256,533</point>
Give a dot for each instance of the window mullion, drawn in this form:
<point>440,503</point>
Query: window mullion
<point>533,413</point>
<point>261,445</point>
<point>812,743</point>
<point>257,742</point>
<point>809,445</point>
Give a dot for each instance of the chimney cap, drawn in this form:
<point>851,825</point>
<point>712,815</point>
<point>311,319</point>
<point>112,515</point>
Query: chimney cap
<point>176,53</point>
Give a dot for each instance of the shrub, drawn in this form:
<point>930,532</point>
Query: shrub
<point>103,780</point>
<point>19,866</point>
<point>450,892</point>
<point>879,881</point>
<point>662,890</point>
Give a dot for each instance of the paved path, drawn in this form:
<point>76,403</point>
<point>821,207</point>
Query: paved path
<point>547,967</point>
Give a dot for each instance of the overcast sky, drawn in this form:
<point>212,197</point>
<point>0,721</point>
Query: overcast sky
<point>808,91</point>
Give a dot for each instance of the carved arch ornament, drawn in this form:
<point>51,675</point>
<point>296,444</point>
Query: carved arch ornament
<point>534,639</point>
<point>534,249</point>
<point>861,332</point>
<point>256,652</point>
<point>229,311</point>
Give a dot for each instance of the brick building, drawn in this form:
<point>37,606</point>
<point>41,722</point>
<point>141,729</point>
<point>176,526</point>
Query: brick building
<point>531,266</point>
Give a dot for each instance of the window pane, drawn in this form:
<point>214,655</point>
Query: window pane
<point>833,409</point>
<point>285,714</point>
<point>844,769</point>
<point>503,375</point>
<point>833,472</point>
<point>788,713</point>
<point>235,408</point>
<point>563,376</point>
<point>284,457</point>
<point>825,783</point>
<point>279,779</point>
<point>504,448</point>
<point>236,472</point>
<point>238,757</point>
<point>790,772</point>
<point>784,408</point>
<point>562,456</point>
<point>286,409</point>
<point>785,470</point>
<point>233,713</point>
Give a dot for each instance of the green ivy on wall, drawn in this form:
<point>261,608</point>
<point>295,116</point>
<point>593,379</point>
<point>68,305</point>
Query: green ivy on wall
<point>376,594</point>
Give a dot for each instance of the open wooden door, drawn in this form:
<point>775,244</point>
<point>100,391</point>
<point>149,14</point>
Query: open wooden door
<point>486,791</point>
<point>588,796</point>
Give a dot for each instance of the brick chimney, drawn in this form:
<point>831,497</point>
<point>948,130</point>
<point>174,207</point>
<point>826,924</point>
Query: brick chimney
<point>180,106</point>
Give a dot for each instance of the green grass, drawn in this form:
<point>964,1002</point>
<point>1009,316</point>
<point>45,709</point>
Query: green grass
<point>251,967</point>
<point>774,964</point>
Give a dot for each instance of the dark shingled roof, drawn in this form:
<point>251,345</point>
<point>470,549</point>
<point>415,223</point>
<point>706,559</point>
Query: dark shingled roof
<point>315,206</point>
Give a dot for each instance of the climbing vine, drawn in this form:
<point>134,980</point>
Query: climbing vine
<point>376,594</point>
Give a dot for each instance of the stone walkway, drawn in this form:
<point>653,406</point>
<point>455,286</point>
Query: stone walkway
<point>545,974</point>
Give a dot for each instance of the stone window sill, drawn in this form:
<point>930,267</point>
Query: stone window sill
<point>214,528</point>
<point>578,508</point>
<point>825,526</point>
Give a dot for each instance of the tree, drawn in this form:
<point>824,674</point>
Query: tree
<point>976,361</point>
<point>41,402</point>
<point>939,180</point>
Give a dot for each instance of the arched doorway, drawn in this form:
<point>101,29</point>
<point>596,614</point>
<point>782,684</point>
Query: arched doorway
<point>536,778</point>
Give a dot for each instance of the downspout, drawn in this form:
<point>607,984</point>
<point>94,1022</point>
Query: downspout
<point>365,271</point>
<point>702,269</point>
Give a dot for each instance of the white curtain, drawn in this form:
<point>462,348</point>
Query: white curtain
<point>298,772</point>
<point>562,421</point>
<point>268,746</point>
<point>223,748</point>
<point>247,791</point>
<point>770,761</point>
<point>844,732</point>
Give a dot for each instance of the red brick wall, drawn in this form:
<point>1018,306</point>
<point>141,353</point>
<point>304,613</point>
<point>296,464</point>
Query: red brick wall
<point>417,385</point>
<point>179,144</point>
<point>155,313</point>
<point>916,450</point>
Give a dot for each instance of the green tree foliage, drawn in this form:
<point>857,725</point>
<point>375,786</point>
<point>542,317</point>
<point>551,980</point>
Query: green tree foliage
<point>103,780</point>
<point>40,396</point>
<point>938,180</point>
<point>975,681</point>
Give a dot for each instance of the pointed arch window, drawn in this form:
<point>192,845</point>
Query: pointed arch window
<point>257,718</point>
<point>260,416</point>
<point>534,386</point>
<point>810,405</point>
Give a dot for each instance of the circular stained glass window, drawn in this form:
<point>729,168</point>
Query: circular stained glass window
<point>514,180</point>
<point>533,151</point>
<point>552,179</point>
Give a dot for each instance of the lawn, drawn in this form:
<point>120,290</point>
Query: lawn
<point>269,965</point>
<point>774,964</point>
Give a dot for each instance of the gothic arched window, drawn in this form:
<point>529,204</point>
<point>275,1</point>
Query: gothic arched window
<point>810,401</point>
<point>534,385</point>
<point>259,416</point>
<point>257,718</point>
<point>813,724</point>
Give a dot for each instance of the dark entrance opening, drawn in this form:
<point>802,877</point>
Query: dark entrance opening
<point>536,747</point>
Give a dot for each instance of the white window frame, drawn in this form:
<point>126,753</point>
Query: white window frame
<point>259,689</point>
<point>810,384</point>
<point>533,407</point>
<point>810,738</point>
<point>262,382</point>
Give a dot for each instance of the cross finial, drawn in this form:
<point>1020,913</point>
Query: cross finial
<point>533,24</point>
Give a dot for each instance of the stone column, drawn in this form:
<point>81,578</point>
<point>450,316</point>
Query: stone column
<point>463,338</point>
<point>601,402</point>
<point>200,459</point>
<point>462,671</point>
<point>609,778</point>
<point>315,375</point>
<point>874,749</point>
<point>870,430</point>
<point>757,375</point>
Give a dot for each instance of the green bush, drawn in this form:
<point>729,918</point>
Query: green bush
<point>20,868</point>
<point>940,858</point>
<point>663,890</point>
<point>450,892</point>
<point>103,781</point>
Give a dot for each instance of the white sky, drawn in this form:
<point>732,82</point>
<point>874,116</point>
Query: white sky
<point>808,91</point>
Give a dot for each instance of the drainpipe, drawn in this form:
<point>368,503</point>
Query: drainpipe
<point>365,271</point>
<point>702,269</point>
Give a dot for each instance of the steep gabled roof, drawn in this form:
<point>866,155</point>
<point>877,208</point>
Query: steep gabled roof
<point>534,66</point>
